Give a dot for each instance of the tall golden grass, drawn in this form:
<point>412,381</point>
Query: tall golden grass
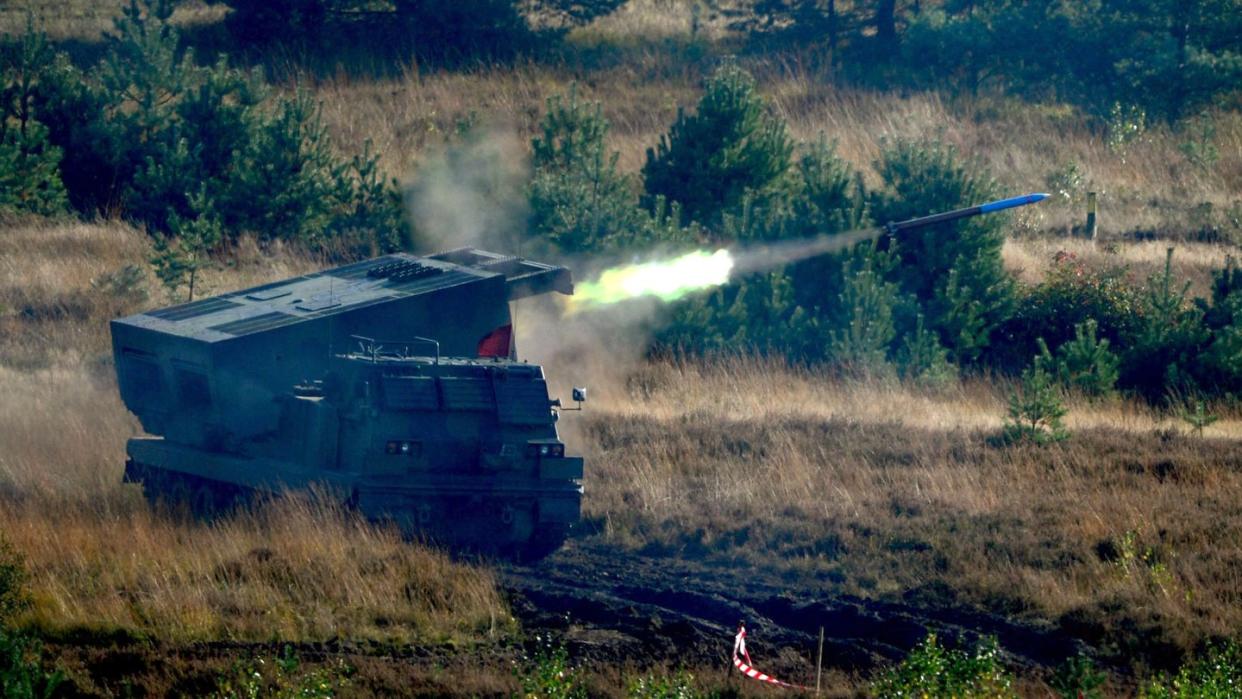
<point>101,560</point>
<point>1147,187</point>
<point>1129,530</point>
<point>296,569</point>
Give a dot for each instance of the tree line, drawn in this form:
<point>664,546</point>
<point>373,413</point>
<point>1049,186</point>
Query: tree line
<point>924,304</point>
<point>200,154</point>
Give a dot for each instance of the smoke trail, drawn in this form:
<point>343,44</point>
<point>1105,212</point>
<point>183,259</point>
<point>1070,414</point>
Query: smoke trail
<point>671,279</point>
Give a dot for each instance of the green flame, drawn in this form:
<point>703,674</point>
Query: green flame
<point>667,280</point>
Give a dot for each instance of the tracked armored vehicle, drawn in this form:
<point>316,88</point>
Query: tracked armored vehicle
<point>391,383</point>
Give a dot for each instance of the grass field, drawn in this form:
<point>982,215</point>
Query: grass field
<point>1128,535</point>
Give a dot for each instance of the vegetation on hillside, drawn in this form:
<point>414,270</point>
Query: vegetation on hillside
<point>201,153</point>
<point>237,143</point>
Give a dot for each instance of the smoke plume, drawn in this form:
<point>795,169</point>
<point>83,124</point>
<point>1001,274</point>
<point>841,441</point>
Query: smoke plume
<point>472,193</point>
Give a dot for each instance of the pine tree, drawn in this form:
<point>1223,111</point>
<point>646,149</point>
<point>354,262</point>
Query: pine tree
<point>29,163</point>
<point>1199,418</point>
<point>30,170</point>
<point>1035,409</point>
<point>1085,364</point>
<point>860,343</point>
<point>1161,360</point>
<point>954,270</point>
<point>177,260</point>
<point>730,145</point>
<point>578,199</point>
<point>923,359</point>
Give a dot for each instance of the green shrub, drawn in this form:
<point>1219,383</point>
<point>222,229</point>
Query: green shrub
<point>1162,359</point>
<point>1219,367</point>
<point>13,598</point>
<point>548,675</point>
<point>1199,418</point>
<point>1070,295</point>
<point>22,671</point>
<point>177,260</point>
<point>651,686</point>
<point>756,314</point>
<point>283,677</point>
<point>930,670</point>
<point>286,182</point>
<point>953,270</point>
<point>1035,409</point>
<point>1216,675</point>
<point>578,200</point>
<point>22,674</point>
<point>730,145</point>
<point>29,170</point>
<point>29,163</point>
<point>1078,678</point>
<point>126,285</point>
<point>860,341</point>
<point>826,197</point>
<point>1084,364</point>
<point>788,312</point>
<point>923,360</point>
<point>149,129</point>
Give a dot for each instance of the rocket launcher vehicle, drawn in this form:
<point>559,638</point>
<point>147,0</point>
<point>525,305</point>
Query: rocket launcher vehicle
<point>392,383</point>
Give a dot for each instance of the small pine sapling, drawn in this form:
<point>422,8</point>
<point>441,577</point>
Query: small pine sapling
<point>177,260</point>
<point>922,359</point>
<point>1199,418</point>
<point>866,302</point>
<point>1084,364</point>
<point>1035,409</point>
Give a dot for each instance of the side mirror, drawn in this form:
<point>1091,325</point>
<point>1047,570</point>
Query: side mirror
<point>580,394</point>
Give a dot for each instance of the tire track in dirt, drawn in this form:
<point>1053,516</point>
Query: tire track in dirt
<point>615,606</point>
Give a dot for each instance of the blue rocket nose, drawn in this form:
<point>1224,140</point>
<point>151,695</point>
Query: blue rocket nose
<point>1012,202</point>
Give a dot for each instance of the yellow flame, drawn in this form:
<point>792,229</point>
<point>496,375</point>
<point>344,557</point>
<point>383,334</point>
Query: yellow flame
<point>666,280</point>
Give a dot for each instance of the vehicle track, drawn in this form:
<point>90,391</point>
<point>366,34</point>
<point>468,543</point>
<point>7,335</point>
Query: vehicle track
<point>614,605</point>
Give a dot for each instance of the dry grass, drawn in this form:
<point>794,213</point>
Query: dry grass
<point>1029,259</point>
<point>87,20</point>
<point>748,389</point>
<point>294,570</point>
<point>1127,535</point>
<point>55,299</point>
<point>1149,187</point>
<point>101,560</point>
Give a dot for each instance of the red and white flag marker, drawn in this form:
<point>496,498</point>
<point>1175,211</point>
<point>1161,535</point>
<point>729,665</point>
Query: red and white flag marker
<point>744,666</point>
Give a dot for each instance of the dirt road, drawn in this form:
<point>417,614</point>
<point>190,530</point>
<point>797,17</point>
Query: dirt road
<point>618,606</point>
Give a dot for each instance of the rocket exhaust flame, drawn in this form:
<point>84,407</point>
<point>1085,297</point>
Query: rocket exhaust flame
<point>672,279</point>
<point>667,280</point>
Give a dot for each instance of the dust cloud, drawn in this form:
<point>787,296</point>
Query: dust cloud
<point>472,193</point>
